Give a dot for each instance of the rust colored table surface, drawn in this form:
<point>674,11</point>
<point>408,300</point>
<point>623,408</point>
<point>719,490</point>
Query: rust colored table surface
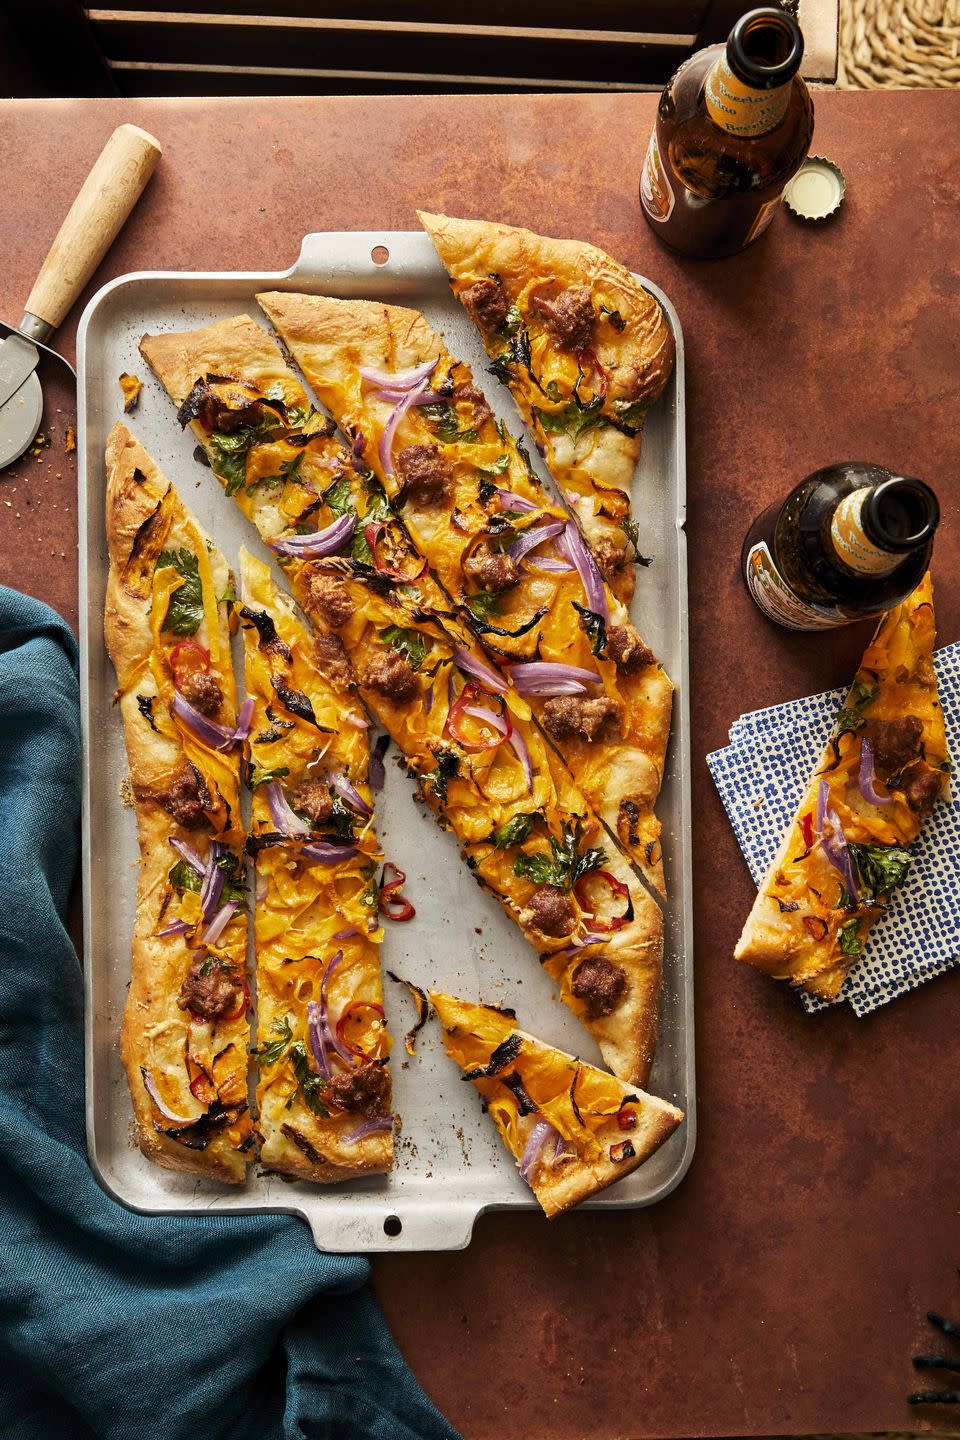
<point>782,1288</point>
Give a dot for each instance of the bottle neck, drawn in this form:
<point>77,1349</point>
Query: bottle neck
<point>875,527</point>
<point>740,109</point>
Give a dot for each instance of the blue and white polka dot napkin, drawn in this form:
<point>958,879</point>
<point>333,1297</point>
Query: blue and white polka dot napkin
<point>761,777</point>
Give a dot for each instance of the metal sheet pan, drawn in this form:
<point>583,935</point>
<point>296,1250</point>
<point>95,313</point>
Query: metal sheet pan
<point>450,1164</point>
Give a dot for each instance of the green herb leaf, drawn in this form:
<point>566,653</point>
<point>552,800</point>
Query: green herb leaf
<point>593,626</point>
<point>408,642</point>
<point>445,425</point>
<point>630,414</point>
<point>448,765</point>
<point>261,776</point>
<point>631,529</point>
<point>184,877</point>
<point>310,1085</point>
<point>538,868</point>
<point>339,497</point>
<point>234,884</point>
<point>271,1052</point>
<point>849,936</point>
<point>512,323</point>
<point>568,862</point>
<point>862,695</point>
<point>574,419</point>
<point>289,470</point>
<point>185,611</point>
<point>500,466</point>
<point>228,453</point>
<point>342,821</point>
<point>516,830</point>
<point>845,900</point>
<point>881,868</point>
<point>484,603</point>
<point>378,508</point>
<point>516,353</point>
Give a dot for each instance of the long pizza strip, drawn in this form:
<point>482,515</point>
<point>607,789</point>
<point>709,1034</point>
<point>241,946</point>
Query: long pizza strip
<point>324,1085</point>
<point>877,781</point>
<point>514,563</point>
<point>584,350</point>
<point>185,1030</point>
<point>525,829</point>
<point>572,1129</point>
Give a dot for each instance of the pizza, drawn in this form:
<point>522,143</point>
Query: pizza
<point>572,1129</point>
<point>185,1030</point>
<point>585,351</point>
<point>512,560</point>
<point>323,1092</point>
<point>384,626</point>
<point>877,782</point>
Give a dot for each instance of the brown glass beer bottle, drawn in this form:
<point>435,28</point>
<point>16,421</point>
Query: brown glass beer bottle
<point>733,127</point>
<point>848,542</point>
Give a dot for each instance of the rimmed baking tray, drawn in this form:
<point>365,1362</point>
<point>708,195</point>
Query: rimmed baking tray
<point>450,1165</point>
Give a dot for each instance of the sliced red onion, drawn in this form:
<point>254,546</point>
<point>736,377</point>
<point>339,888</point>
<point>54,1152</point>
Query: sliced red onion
<point>867,778</point>
<point>377,774</point>
<point>401,379</point>
<point>347,934</point>
<point>823,794</point>
<point>523,755</point>
<point>357,721</point>
<point>510,500</point>
<point>500,723</point>
<point>834,841</point>
<point>176,927</point>
<point>319,545</point>
<point>187,852</point>
<point>327,854</point>
<point>207,731</point>
<point>390,429</point>
<point>379,1126</point>
<point>244,720</point>
<point>328,1033</point>
<point>541,1133</point>
<point>428,697</point>
<point>423,395</point>
<point>150,1085</point>
<point>480,671</point>
<point>570,544</point>
<point>552,564</point>
<point>347,793</point>
<point>282,816</point>
<point>212,880</point>
<point>315,1032</point>
<point>536,535</point>
<point>220,922</point>
<point>542,677</point>
<point>359,444</point>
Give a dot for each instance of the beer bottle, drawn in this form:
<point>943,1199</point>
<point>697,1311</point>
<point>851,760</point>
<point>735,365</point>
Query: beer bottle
<point>848,542</point>
<point>733,127</point>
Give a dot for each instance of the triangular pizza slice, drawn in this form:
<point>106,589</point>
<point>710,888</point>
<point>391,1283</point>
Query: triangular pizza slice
<point>185,1033</point>
<point>877,781</point>
<point>324,1083</point>
<point>572,1129</point>
<point>514,561</point>
<point>585,351</point>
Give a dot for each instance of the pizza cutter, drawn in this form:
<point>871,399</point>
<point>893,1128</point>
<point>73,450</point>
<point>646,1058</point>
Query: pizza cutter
<point>107,196</point>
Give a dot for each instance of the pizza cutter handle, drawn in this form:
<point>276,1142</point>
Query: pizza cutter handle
<point>106,198</point>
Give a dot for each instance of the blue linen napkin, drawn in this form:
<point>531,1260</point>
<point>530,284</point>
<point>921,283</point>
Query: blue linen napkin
<point>762,776</point>
<point>114,1325</point>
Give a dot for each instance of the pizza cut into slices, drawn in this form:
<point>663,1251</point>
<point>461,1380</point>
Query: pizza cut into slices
<point>876,784</point>
<point>383,626</point>
<point>185,1030</point>
<point>585,351</point>
<point>514,561</point>
<point>572,1129</point>
<point>323,1093</point>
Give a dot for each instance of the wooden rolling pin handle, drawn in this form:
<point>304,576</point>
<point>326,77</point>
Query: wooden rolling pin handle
<point>106,198</point>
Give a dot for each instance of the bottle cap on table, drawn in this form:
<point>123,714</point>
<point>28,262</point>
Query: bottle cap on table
<point>817,189</point>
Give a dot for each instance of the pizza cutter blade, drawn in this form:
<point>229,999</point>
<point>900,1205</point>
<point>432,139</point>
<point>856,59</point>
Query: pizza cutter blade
<point>109,193</point>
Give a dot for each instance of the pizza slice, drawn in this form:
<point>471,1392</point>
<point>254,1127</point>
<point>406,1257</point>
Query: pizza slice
<point>384,626</point>
<point>878,780</point>
<point>324,1084</point>
<point>514,562</point>
<point>572,1129</point>
<point>185,1030</point>
<point>584,350</point>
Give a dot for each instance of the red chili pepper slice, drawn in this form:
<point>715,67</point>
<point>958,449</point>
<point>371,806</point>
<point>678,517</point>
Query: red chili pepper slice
<point>373,534</point>
<point>392,904</point>
<point>627,1119</point>
<point>242,1007</point>
<point>466,702</point>
<point>818,928</point>
<point>806,829</point>
<point>187,658</point>
<point>617,887</point>
<point>602,379</point>
<point>203,1089</point>
<point>342,1022</point>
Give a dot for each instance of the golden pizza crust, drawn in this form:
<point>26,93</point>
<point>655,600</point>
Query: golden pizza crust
<point>143,516</point>
<point>596,1116</point>
<point>794,929</point>
<point>635,353</point>
<point>331,340</point>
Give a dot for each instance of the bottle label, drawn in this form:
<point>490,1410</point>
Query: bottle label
<point>656,193</point>
<point>851,543</point>
<point>774,597</point>
<point>764,215</point>
<point>737,108</point>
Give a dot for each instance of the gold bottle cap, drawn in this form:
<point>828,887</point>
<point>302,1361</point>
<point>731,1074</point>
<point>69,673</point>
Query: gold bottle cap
<point>817,189</point>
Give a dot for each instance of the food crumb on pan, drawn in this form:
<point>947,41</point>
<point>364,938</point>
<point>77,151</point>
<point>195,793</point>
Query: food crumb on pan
<point>131,385</point>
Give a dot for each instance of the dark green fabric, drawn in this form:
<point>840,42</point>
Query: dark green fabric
<point>113,1324</point>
